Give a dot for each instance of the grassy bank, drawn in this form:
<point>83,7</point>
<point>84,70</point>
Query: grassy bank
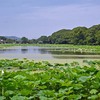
<point>87,47</point>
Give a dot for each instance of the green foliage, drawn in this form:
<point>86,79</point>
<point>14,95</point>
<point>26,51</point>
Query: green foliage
<point>69,82</point>
<point>78,36</point>
<point>43,40</point>
<point>24,40</point>
<point>6,40</point>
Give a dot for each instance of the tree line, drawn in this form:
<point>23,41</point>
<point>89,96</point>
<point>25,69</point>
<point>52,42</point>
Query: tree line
<point>77,36</point>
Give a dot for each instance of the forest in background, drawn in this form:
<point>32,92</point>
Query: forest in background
<point>77,36</point>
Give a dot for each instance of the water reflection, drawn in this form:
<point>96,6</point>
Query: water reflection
<point>45,53</point>
<point>41,51</point>
<point>24,50</point>
<point>4,51</point>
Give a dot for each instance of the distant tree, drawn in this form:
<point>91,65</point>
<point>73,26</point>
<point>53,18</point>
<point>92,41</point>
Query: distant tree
<point>91,34</point>
<point>79,35</point>
<point>3,38</point>
<point>24,40</point>
<point>60,37</point>
<point>10,41</point>
<point>97,37</point>
<point>43,39</point>
<point>33,41</point>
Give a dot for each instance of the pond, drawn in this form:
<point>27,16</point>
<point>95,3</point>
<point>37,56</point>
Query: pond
<point>51,54</point>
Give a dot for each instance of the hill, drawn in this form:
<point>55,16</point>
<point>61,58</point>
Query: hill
<point>78,36</point>
<point>12,37</point>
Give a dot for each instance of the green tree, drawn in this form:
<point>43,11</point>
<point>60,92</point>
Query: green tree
<point>79,35</point>
<point>33,41</point>
<point>60,37</point>
<point>91,34</point>
<point>97,37</point>
<point>43,39</point>
<point>24,40</point>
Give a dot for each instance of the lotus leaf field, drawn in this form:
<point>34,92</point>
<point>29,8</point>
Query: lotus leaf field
<point>29,80</point>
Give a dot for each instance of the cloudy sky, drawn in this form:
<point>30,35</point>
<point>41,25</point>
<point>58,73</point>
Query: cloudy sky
<point>33,18</point>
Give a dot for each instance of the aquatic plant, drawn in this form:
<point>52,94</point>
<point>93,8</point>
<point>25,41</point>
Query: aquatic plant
<point>49,81</point>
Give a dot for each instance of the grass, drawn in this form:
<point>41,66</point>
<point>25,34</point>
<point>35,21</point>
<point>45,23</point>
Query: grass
<point>85,48</point>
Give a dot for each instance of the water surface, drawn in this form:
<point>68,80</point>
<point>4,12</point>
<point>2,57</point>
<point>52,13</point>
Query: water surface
<point>55,55</point>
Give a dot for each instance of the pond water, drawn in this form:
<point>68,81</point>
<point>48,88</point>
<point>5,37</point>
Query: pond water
<point>54,55</point>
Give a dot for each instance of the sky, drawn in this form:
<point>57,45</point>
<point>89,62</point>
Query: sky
<point>34,18</point>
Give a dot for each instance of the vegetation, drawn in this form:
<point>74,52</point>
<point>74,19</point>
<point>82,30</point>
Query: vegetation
<point>29,80</point>
<point>44,81</point>
<point>76,36</point>
<point>4,40</point>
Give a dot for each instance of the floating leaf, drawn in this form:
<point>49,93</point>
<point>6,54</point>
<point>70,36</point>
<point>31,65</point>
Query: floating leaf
<point>2,98</point>
<point>93,97</point>
<point>83,78</point>
<point>93,91</point>
<point>19,77</point>
<point>9,92</point>
<point>19,98</point>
